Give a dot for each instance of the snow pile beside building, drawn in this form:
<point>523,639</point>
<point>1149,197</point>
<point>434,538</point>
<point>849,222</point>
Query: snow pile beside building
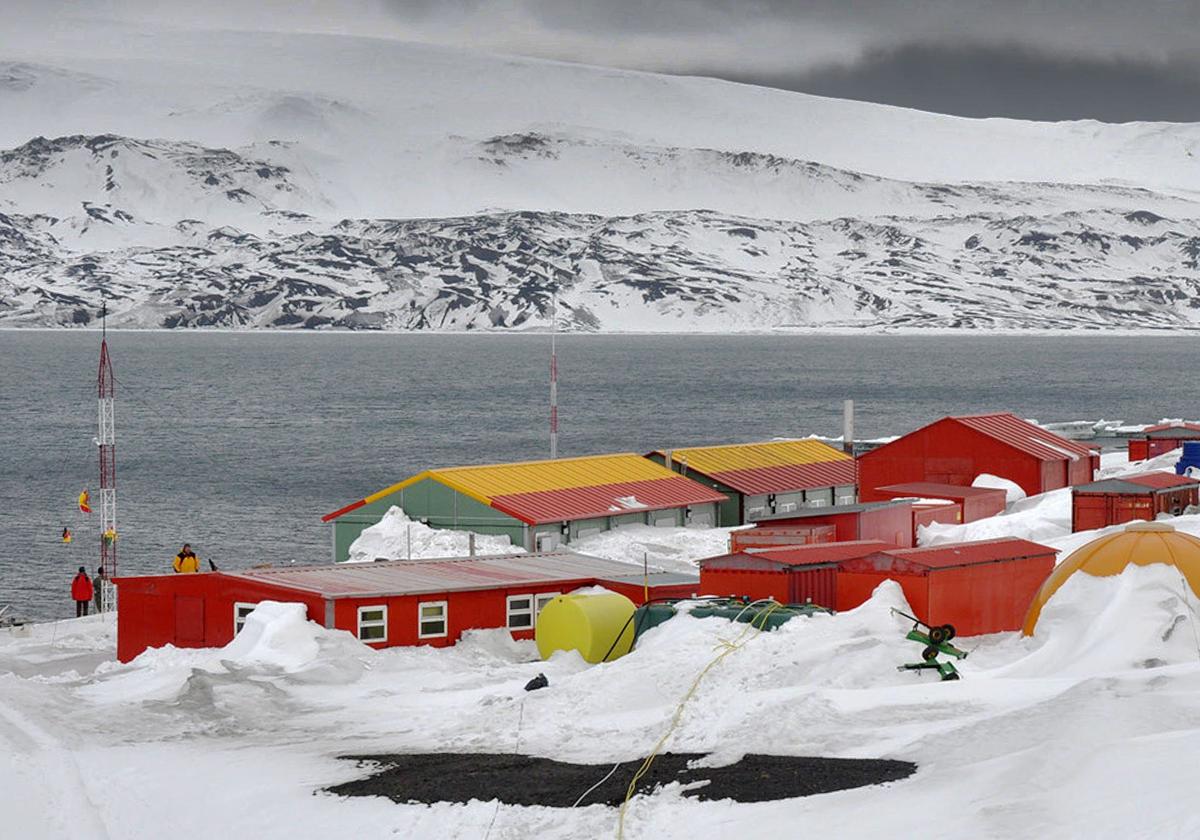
<point>396,537</point>
<point>275,634</point>
<point>667,549</point>
<point>1144,617</point>
<point>1042,518</point>
<point>1012,490</point>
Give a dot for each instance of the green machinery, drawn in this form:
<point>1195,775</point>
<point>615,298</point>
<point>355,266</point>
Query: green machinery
<point>933,640</point>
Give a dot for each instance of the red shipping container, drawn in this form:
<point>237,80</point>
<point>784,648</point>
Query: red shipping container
<point>1156,440</point>
<point>766,536</point>
<point>791,576</point>
<point>975,502</point>
<point>1130,498</point>
<point>889,522</point>
<point>979,587</point>
<point>948,514</point>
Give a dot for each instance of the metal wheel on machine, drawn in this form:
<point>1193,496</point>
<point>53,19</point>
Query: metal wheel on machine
<point>929,654</point>
<point>948,629</point>
<point>937,635</point>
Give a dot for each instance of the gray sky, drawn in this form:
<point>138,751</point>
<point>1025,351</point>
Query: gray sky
<point>1114,60</point>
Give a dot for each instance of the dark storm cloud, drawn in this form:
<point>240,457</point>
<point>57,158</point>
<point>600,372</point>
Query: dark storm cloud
<point>1044,59</point>
<point>991,81</point>
<point>1041,59</point>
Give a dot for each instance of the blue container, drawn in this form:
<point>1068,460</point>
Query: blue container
<point>1189,461</point>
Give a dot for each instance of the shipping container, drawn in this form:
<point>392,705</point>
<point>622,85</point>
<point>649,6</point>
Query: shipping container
<point>889,522</point>
<point>767,536</point>
<point>975,503</point>
<point>1157,440</point>
<point>1115,501</point>
<point>979,587</point>
<point>807,574</point>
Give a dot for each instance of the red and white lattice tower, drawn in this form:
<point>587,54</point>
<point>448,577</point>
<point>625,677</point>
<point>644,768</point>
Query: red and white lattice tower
<point>553,379</point>
<point>106,440</point>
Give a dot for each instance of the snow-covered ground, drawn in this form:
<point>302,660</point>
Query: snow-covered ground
<point>1086,730</point>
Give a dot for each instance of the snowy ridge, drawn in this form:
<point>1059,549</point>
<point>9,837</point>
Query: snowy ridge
<point>663,271</point>
<point>250,180</point>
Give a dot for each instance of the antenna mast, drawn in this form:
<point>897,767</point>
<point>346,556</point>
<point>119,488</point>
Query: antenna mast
<point>106,440</point>
<point>553,377</point>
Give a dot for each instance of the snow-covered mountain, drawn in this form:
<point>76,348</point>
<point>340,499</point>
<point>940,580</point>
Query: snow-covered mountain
<point>242,179</point>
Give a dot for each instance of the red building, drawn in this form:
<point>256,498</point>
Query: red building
<point>973,503</point>
<point>399,602</point>
<point>1156,440</point>
<point>979,587</point>
<point>889,522</point>
<point>789,575</point>
<point>1115,501</point>
<point>955,450</point>
<point>764,536</point>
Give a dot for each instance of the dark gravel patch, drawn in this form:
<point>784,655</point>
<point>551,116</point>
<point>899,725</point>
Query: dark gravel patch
<point>528,780</point>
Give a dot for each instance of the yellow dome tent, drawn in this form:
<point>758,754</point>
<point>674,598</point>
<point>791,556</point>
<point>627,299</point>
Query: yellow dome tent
<point>1141,543</point>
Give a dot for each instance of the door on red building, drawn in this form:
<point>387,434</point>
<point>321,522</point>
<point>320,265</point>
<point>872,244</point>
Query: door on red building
<point>189,621</point>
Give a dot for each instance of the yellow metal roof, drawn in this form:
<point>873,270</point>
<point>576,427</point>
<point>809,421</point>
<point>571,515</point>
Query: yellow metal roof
<point>485,482</point>
<point>745,456</point>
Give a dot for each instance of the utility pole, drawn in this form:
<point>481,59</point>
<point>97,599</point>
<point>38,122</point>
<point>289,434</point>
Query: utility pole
<point>553,377</point>
<point>106,441</point>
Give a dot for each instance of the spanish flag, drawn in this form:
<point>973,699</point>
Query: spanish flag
<point>85,502</point>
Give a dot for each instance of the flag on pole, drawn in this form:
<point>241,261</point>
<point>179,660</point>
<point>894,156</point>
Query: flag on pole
<point>66,538</point>
<point>85,502</point>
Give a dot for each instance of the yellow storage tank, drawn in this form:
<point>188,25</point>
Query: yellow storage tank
<point>586,623</point>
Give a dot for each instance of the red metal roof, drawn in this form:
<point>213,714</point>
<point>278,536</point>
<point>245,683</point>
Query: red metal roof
<point>805,555</point>
<point>936,490</point>
<point>1161,480</point>
<point>1170,430</point>
<point>1141,482</point>
<point>1024,436</point>
<point>417,577</point>
<point>970,553</point>
<point>758,480</point>
<point>605,500</point>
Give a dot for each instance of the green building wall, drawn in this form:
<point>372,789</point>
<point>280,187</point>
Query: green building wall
<point>434,502</point>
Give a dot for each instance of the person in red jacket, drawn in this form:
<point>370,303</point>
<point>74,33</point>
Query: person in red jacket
<point>81,591</point>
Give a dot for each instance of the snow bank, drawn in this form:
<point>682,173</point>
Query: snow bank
<point>392,536</point>
<point>1143,618</point>
<point>1041,518</point>
<point>1013,491</point>
<point>668,549</point>
<point>275,634</point>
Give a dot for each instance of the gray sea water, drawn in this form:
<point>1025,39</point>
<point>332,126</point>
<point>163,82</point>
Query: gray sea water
<point>238,443</point>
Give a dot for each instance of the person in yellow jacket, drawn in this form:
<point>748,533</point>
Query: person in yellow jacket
<point>186,560</point>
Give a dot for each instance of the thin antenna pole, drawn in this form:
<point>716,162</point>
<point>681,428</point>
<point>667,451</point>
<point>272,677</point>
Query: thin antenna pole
<point>106,441</point>
<point>553,377</point>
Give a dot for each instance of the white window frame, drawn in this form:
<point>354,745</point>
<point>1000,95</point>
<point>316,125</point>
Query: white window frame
<point>239,620</point>
<point>527,611</point>
<point>787,507</point>
<point>445,605</point>
<point>381,622</point>
<point>540,600</point>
